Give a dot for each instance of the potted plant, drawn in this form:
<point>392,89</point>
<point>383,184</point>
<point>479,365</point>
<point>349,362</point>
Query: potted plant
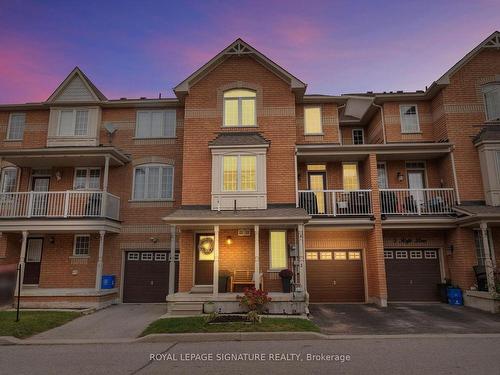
<point>224,276</point>
<point>209,307</point>
<point>286,277</point>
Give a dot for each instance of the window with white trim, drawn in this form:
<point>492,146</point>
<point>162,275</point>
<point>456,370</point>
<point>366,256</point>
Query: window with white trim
<point>9,180</point>
<point>153,182</point>
<point>87,179</point>
<point>415,254</point>
<point>409,119</point>
<point>350,176</point>
<point>491,95</point>
<point>354,255</point>
<point>401,254</point>
<point>133,256</point>
<point>240,108</point>
<point>312,120</point>
<point>430,254</point>
<point>15,129</point>
<point>73,122</point>
<point>156,124</point>
<point>82,245</point>
<point>339,255</point>
<point>278,250</point>
<point>358,136</point>
<point>388,254</point>
<point>239,173</point>
<point>325,255</point>
<point>479,245</point>
<point>160,257</point>
<point>311,255</point>
<point>147,256</point>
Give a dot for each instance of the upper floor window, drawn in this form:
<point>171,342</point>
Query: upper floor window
<point>73,122</point>
<point>155,124</point>
<point>87,179</point>
<point>240,108</point>
<point>239,173</point>
<point>16,126</point>
<point>358,136</point>
<point>312,120</point>
<point>409,119</point>
<point>153,182</point>
<point>350,176</point>
<point>9,180</point>
<point>492,101</point>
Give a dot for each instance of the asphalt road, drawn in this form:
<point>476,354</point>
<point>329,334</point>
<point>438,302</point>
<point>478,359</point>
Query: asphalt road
<point>462,355</point>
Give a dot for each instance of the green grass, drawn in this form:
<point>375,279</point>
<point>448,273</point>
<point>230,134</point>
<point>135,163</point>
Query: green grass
<point>32,322</point>
<point>198,324</point>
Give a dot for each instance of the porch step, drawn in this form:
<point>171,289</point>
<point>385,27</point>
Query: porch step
<point>185,308</point>
<point>203,289</point>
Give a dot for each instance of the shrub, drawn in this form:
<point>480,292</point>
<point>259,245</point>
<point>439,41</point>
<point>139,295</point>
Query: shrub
<point>254,299</point>
<point>254,317</point>
<point>286,274</point>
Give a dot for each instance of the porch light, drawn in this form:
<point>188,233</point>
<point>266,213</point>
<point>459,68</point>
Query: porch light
<point>400,177</point>
<point>229,240</point>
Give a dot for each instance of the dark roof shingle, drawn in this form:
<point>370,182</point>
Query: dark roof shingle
<point>239,139</point>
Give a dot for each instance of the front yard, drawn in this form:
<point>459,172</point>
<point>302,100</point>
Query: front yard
<point>33,322</point>
<point>199,324</point>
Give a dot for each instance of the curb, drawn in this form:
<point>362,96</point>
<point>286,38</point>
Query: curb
<point>236,336</point>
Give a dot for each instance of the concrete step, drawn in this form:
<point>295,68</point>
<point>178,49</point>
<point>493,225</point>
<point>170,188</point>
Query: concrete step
<point>203,289</point>
<point>185,308</point>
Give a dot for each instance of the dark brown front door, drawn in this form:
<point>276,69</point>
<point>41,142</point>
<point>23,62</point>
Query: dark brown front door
<point>33,260</point>
<point>335,276</point>
<point>146,276</point>
<point>412,275</point>
<point>204,269</point>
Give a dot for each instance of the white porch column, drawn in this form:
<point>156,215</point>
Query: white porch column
<point>171,270</point>
<point>488,264</point>
<point>98,274</point>
<point>105,186</point>
<point>22,258</point>
<point>216,261</point>
<point>302,259</point>
<point>257,258</point>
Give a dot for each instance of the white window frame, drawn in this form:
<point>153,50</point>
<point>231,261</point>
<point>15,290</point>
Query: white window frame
<point>133,256</point>
<point>312,255</point>
<point>354,255</point>
<point>416,254</point>
<point>401,117</point>
<point>494,86</point>
<point>147,258</point>
<point>238,173</point>
<point>386,177</point>
<point>87,178</point>
<point>388,254</point>
<point>2,177</point>
<point>147,166</point>
<point>340,255</point>
<point>427,254</point>
<point>74,110</point>
<point>136,136</point>
<point>240,108</point>
<point>362,136</point>
<point>401,254</point>
<point>161,257</point>
<point>357,174</point>
<point>75,242</point>
<point>320,120</point>
<point>9,127</point>
<point>271,253</point>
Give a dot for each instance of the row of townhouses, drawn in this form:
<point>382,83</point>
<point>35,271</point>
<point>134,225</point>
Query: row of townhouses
<point>365,197</point>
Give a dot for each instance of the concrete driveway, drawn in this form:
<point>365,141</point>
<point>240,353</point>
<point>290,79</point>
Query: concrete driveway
<point>123,321</point>
<point>402,319</point>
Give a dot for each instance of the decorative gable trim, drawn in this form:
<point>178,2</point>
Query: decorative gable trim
<point>76,87</point>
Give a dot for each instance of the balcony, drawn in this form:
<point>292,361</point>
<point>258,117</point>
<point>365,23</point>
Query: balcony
<point>418,202</point>
<point>333,203</point>
<point>59,204</point>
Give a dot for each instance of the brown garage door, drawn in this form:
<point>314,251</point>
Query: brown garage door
<point>335,276</point>
<point>146,276</point>
<point>412,275</point>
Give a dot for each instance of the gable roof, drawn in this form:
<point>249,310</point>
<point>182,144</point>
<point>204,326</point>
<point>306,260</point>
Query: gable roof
<point>238,48</point>
<point>76,87</point>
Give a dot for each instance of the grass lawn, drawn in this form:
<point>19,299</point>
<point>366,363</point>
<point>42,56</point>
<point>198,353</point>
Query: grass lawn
<point>198,324</point>
<point>32,322</point>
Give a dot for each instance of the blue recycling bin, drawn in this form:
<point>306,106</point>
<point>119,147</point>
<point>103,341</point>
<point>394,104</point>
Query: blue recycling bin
<point>455,296</point>
<point>108,281</point>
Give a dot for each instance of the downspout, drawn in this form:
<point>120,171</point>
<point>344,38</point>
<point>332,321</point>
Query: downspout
<point>381,119</point>
<point>296,181</point>
<point>338,123</point>
<point>455,180</point>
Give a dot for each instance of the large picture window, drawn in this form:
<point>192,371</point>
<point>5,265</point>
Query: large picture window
<point>156,124</point>
<point>153,182</point>
<point>278,251</point>
<point>73,122</point>
<point>239,173</point>
<point>409,119</point>
<point>240,108</point>
<point>312,120</point>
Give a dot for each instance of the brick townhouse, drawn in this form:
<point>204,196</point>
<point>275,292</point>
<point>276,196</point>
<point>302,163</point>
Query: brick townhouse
<point>366,197</point>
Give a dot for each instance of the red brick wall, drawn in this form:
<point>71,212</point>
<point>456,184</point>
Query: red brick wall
<point>330,124</point>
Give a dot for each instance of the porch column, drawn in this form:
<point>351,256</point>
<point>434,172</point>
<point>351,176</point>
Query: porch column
<point>105,186</point>
<point>22,259</point>
<point>302,259</point>
<point>171,271</point>
<point>216,261</point>
<point>98,274</point>
<point>488,264</point>
<point>257,258</point>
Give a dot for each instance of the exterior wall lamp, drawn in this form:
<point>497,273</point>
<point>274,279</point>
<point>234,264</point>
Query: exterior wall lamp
<point>229,240</point>
<point>400,176</point>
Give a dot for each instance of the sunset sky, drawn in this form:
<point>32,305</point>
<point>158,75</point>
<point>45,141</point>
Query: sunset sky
<point>141,48</point>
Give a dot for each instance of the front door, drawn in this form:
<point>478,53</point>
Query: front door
<point>204,269</point>
<point>33,260</point>
<point>416,182</point>
<point>317,183</point>
<point>40,199</point>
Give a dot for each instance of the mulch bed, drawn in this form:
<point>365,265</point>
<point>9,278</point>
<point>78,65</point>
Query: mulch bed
<point>229,319</point>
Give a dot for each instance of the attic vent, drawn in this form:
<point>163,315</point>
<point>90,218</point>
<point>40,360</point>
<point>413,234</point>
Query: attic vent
<point>238,49</point>
<point>494,42</point>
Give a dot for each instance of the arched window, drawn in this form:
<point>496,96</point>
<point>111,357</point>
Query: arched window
<point>239,108</point>
<point>153,182</point>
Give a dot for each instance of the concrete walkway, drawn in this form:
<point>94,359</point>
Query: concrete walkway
<point>124,321</point>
